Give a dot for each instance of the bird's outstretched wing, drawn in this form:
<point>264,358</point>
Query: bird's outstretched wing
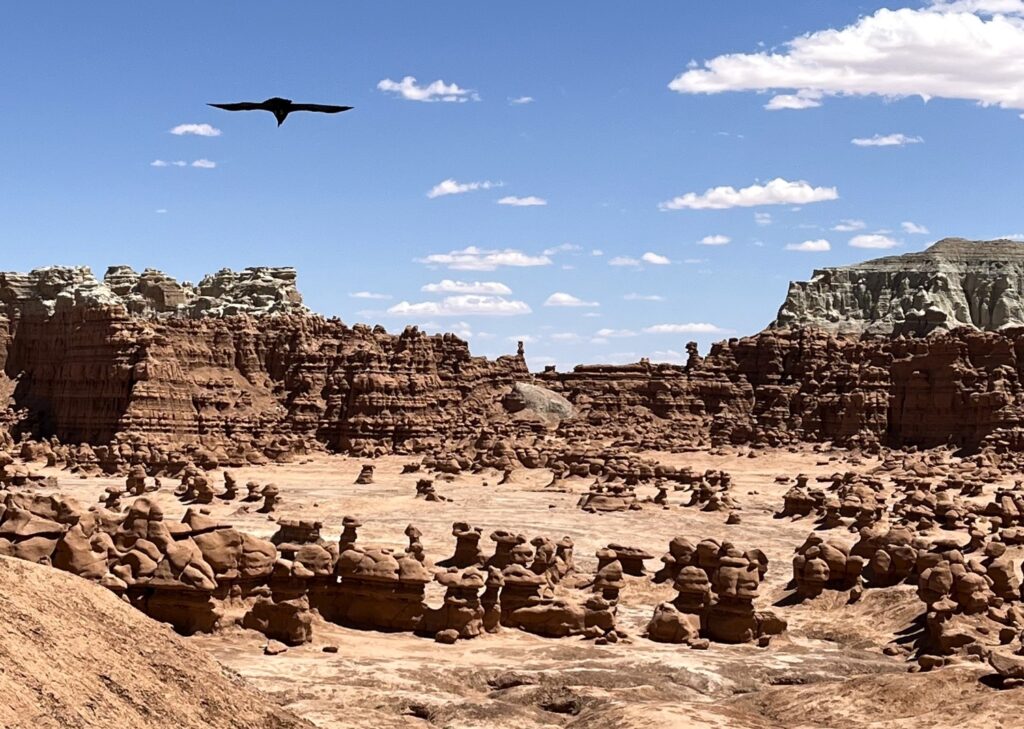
<point>241,106</point>
<point>324,108</point>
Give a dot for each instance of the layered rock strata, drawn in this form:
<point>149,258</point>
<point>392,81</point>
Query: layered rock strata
<point>954,283</point>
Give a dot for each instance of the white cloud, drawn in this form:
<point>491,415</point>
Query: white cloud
<point>799,100</point>
<point>160,210</point>
<point>616,333</point>
<point>763,218</point>
<point>913,228</point>
<point>451,187</point>
<point>201,130</point>
<point>886,140</point>
<point>670,356</point>
<point>472,258</point>
<point>776,192</point>
<point>655,259</point>
<point>564,248</point>
<point>369,295</point>
<point>623,261</point>
<point>562,299</point>
<point>873,240</point>
<point>597,252</point>
<point>438,90</point>
<point>466,305</point>
<point>983,7</point>
<point>689,328</point>
<point>714,240</point>
<point>643,297</point>
<point>565,337</point>
<point>448,286</point>
<point>519,100</point>
<point>524,338</point>
<point>943,51</point>
<point>522,202</point>
<point>204,164</point>
<point>693,261</point>
<point>848,225</point>
<point>810,246</point>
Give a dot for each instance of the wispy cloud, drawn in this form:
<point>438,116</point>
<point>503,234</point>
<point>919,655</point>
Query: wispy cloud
<point>467,305</point>
<point>472,258</point>
<point>886,140</point>
<point>799,100</point>
<point>714,240</point>
<point>200,130</point>
<point>688,328</point>
<point>520,100</point>
<point>763,218</point>
<point>204,164</point>
<point>563,248</point>
<point>913,228</point>
<point>624,261</point>
<point>873,240</point>
<point>775,192</point>
<point>369,295</point>
<point>522,202</point>
<point>452,187</point>
<point>448,286</point>
<point>810,246</point>
<point>438,90</point>
<point>614,333</point>
<point>560,298</point>
<point>849,226</point>
<point>643,297</point>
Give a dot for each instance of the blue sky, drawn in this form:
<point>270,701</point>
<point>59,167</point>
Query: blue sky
<point>93,91</point>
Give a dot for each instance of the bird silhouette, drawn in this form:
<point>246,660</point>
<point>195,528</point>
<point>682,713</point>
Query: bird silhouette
<point>280,108</point>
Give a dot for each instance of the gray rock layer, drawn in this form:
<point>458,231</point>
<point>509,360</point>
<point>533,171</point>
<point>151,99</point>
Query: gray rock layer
<point>954,283</point>
<point>255,291</point>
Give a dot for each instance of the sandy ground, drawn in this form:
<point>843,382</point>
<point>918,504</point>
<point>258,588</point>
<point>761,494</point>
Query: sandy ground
<point>827,670</point>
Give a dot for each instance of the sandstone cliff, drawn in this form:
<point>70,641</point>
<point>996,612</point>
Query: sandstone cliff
<point>954,283</point>
<point>235,358</point>
<point>91,362</point>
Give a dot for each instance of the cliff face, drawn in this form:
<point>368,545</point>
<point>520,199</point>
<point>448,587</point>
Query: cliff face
<point>964,388</point>
<point>954,283</point>
<point>96,362</point>
<point>89,361</point>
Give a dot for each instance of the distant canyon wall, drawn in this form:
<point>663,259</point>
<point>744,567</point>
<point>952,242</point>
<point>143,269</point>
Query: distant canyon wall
<point>92,368</point>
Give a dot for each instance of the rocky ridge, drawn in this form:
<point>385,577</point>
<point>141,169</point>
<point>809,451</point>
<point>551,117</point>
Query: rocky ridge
<point>130,361</point>
<point>46,291</point>
<point>954,283</point>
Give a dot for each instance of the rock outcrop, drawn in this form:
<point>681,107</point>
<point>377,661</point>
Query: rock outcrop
<point>954,283</point>
<point>236,366</point>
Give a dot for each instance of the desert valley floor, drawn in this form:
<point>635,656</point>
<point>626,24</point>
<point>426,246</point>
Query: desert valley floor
<point>827,669</point>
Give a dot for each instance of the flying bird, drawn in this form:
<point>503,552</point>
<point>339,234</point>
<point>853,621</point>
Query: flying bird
<point>280,108</point>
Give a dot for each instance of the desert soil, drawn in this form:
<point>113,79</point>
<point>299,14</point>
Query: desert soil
<point>828,670</point>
